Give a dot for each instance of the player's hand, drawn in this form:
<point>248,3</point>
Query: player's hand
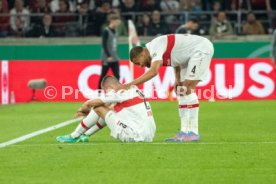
<point>176,84</point>
<point>126,86</point>
<point>109,59</point>
<point>81,113</point>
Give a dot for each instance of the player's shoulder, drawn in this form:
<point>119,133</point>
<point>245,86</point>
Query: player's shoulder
<point>133,90</point>
<point>160,38</point>
<point>110,93</point>
<point>130,90</point>
<point>157,42</point>
<point>126,94</point>
<point>105,30</point>
<point>188,36</point>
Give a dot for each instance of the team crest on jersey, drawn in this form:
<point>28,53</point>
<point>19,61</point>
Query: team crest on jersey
<point>154,54</point>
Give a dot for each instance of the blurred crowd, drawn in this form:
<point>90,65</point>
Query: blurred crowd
<point>59,18</point>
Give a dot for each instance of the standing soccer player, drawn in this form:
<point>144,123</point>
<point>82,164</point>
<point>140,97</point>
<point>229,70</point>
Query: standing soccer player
<point>110,58</point>
<point>190,55</point>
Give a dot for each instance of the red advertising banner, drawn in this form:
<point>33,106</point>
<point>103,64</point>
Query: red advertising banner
<point>237,79</point>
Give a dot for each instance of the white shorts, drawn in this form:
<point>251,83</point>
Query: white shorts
<point>123,129</point>
<point>197,67</point>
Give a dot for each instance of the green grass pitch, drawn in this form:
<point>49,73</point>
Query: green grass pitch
<point>238,145</point>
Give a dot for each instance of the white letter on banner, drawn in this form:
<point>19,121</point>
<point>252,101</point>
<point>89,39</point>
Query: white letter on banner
<point>268,84</point>
<point>65,93</point>
<point>125,75</point>
<point>238,82</point>
<point>83,81</point>
<point>85,74</point>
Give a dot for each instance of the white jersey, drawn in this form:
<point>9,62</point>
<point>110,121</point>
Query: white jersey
<point>133,109</point>
<point>176,49</point>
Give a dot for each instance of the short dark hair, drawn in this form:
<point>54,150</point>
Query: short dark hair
<point>113,16</point>
<point>134,52</point>
<point>108,79</point>
<point>194,20</point>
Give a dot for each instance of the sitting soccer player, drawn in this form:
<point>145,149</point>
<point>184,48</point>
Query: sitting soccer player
<point>129,120</point>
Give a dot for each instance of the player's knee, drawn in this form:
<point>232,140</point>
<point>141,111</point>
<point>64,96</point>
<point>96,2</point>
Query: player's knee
<point>101,110</point>
<point>97,109</point>
<point>187,83</point>
<point>190,84</point>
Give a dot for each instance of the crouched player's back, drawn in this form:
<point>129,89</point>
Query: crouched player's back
<point>134,112</point>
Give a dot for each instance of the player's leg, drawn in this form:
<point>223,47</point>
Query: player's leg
<point>190,105</point>
<point>89,121</point>
<point>197,70</point>
<point>115,69</point>
<point>119,129</point>
<point>94,129</point>
<point>188,110</point>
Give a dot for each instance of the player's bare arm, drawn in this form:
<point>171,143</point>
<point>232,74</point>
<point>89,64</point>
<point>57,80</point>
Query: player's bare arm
<point>177,77</point>
<point>86,107</point>
<point>177,73</point>
<point>152,72</point>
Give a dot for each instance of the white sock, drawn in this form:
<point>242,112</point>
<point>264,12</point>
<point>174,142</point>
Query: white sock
<point>193,106</point>
<point>90,120</point>
<point>99,125</point>
<point>188,112</point>
<point>183,113</point>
